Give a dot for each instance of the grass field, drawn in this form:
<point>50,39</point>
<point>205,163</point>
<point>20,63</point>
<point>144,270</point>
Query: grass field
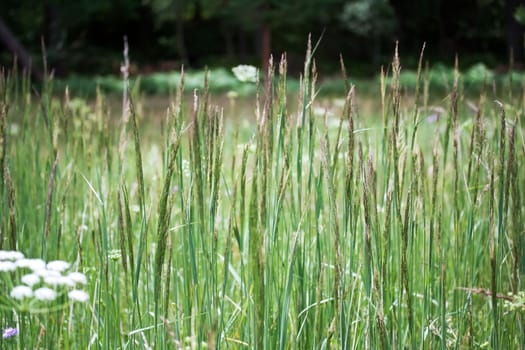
<point>308,225</point>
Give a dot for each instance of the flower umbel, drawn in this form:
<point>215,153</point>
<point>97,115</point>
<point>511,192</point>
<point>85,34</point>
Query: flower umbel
<point>10,255</point>
<point>7,266</point>
<point>58,265</point>
<point>30,279</point>
<point>77,277</point>
<point>36,285</point>
<point>245,73</point>
<point>78,295</point>
<point>45,294</point>
<point>21,292</point>
<point>33,264</point>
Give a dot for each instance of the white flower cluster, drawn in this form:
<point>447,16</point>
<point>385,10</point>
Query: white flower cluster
<point>40,280</point>
<point>245,73</point>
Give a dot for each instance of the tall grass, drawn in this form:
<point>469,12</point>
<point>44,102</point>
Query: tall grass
<point>304,229</point>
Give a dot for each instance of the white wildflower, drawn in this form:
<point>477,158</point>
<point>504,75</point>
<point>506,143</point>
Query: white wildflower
<point>186,168</point>
<point>78,295</point>
<point>33,264</point>
<point>339,102</point>
<point>10,255</point>
<point>14,129</point>
<point>58,265</point>
<point>114,254</point>
<point>232,94</point>
<point>31,279</point>
<point>320,111</point>
<point>46,272</point>
<point>45,294</point>
<point>78,277</point>
<point>66,281</point>
<point>21,292</point>
<point>7,266</point>
<point>58,281</point>
<point>245,73</point>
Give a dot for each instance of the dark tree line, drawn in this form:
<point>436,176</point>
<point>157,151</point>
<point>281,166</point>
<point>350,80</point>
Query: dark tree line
<point>86,35</point>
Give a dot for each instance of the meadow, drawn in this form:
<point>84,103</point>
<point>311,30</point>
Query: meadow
<point>306,224</point>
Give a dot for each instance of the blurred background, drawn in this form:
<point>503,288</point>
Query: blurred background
<point>86,36</point>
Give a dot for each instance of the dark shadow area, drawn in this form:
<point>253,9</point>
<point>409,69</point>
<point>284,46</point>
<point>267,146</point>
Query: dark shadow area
<point>85,37</point>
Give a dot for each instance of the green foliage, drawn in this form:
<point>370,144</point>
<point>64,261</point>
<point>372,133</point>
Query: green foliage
<point>517,304</point>
<point>222,80</point>
<point>519,14</point>
<point>369,17</point>
<point>302,222</point>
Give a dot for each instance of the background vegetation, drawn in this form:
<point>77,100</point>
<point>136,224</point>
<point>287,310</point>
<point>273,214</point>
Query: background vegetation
<point>86,36</point>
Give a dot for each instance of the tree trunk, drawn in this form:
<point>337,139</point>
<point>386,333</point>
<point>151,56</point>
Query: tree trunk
<point>515,31</point>
<point>54,37</point>
<point>244,42</point>
<point>179,33</point>
<point>10,41</point>
<point>263,35</point>
<point>228,40</point>
<point>266,46</point>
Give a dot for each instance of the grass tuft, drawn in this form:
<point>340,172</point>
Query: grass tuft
<point>313,222</point>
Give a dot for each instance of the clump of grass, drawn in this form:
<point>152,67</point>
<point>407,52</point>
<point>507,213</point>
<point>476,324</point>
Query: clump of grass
<point>311,225</point>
